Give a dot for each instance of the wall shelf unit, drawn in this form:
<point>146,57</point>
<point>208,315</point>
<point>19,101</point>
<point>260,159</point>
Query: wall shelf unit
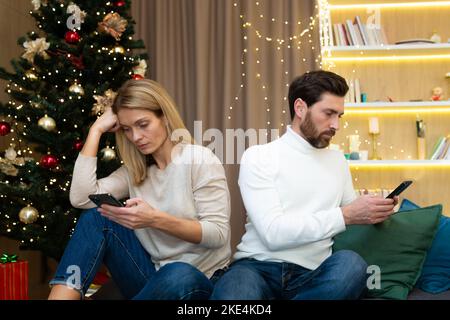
<point>403,73</point>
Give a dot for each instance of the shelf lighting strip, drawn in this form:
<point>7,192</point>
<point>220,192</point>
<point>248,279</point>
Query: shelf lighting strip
<point>387,58</point>
<point>399,165</point>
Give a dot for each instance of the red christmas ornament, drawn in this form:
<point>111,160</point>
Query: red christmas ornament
<point>137,77</point>
<point>119,3</point>
<point>72,37</point>
<point>78,145</point>
<point>49,161</point>
<point>5,128</point>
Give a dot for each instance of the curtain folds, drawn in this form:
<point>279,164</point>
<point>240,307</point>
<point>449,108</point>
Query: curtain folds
<point>228,63</point>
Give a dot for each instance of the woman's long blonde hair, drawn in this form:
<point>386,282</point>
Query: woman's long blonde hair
<point>146,95</point>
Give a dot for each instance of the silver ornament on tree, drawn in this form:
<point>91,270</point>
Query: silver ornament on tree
<point>108,154</point>
<point>47,123</point>
<point>28,215</point>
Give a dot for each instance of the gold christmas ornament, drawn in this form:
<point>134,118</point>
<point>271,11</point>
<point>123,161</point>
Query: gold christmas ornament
<point>47,123</point>
<point>76,88</point>
<point>108,154</point>
<point>118,49</point>
<point>28,215</point>
<point>31,75</point>
<point>113,24</point>
<point>104,102</point>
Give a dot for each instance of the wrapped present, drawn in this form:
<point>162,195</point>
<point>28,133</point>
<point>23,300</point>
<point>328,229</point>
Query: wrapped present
<point>13,278</point>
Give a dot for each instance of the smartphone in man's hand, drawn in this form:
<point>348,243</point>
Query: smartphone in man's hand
<point>105,198</point>
<point>399,189</point>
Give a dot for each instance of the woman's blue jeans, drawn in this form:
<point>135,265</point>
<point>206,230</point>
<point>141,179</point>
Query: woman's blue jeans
<point>97,240</point>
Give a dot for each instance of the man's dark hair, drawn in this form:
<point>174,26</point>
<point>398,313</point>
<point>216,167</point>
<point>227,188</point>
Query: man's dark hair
<point>311,86</point>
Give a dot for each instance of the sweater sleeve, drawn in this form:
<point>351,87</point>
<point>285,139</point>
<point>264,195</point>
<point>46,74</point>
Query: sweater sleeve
<point>211,199</point>
<point>280,230</point>
<point>84,182</point>
<point>349,191</point>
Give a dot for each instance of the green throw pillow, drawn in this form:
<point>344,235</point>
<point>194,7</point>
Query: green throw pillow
<point>398,246</point>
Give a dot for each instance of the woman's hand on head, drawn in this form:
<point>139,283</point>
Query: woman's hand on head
<point>107,122</point>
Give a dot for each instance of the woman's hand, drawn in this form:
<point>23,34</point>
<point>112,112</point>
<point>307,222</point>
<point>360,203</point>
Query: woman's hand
<point>107,122</point>
<point>137,214</point>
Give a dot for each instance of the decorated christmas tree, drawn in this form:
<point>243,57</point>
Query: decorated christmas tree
<point>71,67</point>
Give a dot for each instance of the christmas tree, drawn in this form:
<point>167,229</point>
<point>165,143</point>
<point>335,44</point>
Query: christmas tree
<point>72,65</point>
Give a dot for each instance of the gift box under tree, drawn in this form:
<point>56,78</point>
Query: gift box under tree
<point>13,278</point>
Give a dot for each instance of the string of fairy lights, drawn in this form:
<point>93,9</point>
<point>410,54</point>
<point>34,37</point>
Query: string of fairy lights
<point>281,44</point>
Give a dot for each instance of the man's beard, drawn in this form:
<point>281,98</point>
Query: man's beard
<point>312,135</point>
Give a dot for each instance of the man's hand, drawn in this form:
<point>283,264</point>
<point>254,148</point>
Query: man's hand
<point>369,209</point>
<point>137,214</point>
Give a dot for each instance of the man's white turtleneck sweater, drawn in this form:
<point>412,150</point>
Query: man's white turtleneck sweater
<point>293,192</point>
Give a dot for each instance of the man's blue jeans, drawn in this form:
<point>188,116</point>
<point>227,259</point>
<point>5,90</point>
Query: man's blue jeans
<point>97,240</point>
<point>341,276</point>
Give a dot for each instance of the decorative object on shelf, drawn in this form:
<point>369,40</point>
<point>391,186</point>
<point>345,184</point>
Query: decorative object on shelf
<point>28,214</point>
<point>363,155</point>
<point>353,143</point>
<point>354,156</point>
<point>437,94</point>
<point>421,145</point>
<point>5,128</point>
<point>414,41</point>
<point>13,278</point>
<point>435,37</point>
<point>374,131</point>
<point>108,154</point>
<point>47,123</point>
<point>363,97</point>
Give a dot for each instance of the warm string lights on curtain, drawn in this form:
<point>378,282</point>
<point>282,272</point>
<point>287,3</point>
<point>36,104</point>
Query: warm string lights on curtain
<point>281,44</point>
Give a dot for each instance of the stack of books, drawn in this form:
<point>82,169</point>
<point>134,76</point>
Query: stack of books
<point>358,34</point>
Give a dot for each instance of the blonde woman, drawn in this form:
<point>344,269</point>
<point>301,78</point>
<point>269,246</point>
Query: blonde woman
<point>173,233</point>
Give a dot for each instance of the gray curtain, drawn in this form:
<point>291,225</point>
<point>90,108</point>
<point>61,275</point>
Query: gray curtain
<point>197,52</point>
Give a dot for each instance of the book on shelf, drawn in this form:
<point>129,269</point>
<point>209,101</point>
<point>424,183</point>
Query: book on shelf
<point>441,149</point>
<point>358,34</point>
<point>354,91</point>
